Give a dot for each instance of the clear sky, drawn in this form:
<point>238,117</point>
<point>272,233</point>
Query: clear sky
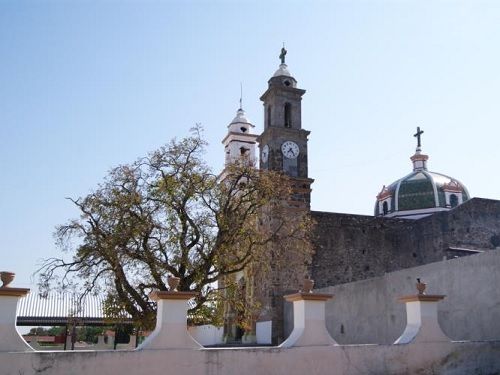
<point>87,85</point>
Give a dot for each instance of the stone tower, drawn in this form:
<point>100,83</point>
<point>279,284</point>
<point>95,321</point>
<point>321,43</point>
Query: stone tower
<point>283,148</point>
<point>283,144</point>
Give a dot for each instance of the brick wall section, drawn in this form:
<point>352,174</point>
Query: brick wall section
<point>355,247</point>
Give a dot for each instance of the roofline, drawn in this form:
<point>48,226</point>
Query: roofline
<point>49,321</point>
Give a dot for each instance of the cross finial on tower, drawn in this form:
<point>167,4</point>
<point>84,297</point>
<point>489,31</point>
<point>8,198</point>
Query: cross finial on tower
<point>283,53</point>
<point>418,134</point>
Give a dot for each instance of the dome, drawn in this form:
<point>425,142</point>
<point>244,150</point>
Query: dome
<point>241,118</point>
<point>282,71</point>
<point>420,193</point>
<point>241,123</point>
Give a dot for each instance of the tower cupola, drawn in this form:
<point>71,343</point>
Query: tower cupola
<point>239,142</point>
<point>240,124</point>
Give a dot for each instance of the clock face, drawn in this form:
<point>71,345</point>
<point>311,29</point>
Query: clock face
<point>290,150</point>
<point>265,153</point>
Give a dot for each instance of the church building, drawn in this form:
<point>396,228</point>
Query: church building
<point>421,218</point>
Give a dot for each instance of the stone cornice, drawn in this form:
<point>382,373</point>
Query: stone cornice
<point>274,88</point>
<point>160,294</point>
<point>272,131</point>
<point>308,297</point>
<point>419,157</point>
<point>452,187</point>
<point>422,298</point>
<point>242,137</point>
<point>384,193</point>
<point>14,292</point>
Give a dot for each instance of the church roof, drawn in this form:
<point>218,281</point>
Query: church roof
<point>61,308</point>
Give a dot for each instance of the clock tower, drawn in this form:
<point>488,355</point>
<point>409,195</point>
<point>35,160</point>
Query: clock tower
<point>283,144</point>
<point>283,148</point>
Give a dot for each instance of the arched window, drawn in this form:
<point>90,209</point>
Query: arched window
<point>288,115</point>
<point>268,116</point>
<point>385,208</point>
<point>453,200</point>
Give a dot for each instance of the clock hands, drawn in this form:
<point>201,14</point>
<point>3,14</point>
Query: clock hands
<point>290,149</point>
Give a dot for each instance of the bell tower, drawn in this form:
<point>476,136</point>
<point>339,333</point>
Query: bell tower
<point>283,148</point>
<point>283,144</point>
<point>239,142</point>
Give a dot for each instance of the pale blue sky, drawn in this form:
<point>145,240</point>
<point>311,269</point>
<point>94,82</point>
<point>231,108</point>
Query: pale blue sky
<point>85,86</point>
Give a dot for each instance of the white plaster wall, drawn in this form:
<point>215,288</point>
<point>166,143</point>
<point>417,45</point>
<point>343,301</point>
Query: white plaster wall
<point>207,334</point>
<point>9,336</point>
<point>428,358</point>
<point>263,331</point>
<point>369,311</point>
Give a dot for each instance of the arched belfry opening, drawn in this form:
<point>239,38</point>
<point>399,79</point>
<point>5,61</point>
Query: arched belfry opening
<point>268,116</point>
<point>288,115</point>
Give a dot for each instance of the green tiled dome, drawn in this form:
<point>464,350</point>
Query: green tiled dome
<point>420,193</point>
<point>416,192</point>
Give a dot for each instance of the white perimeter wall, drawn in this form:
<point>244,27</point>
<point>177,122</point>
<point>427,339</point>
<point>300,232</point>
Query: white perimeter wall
<point>369,312</point>
<point>207,334</point>
<point>427,358</point>
<point>263,332</point>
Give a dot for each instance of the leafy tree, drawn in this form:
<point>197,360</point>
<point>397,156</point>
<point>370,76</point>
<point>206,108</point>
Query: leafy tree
<point>56,331</point>
<point>42,331</point>
<point>169,214</point>
<point>38,331</point>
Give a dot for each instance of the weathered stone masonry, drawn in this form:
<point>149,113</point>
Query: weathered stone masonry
<point>356,247</point>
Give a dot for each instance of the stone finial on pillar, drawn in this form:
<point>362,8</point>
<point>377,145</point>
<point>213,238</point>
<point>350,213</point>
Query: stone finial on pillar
<point>10,339</point>
<point>421,317</point>
<point>171,322</point>
<point>309,327</point>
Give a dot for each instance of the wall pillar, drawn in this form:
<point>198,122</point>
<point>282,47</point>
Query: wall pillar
<point>421,318</point>
<point>10,339</point>
<point>309,327</point>
<point>171,322</point>
<point>101,344</point>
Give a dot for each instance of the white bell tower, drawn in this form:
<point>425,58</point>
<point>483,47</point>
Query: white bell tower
<point>239,143</point>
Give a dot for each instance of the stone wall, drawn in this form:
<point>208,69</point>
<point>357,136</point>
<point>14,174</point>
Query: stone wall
<point>367,311</point>
<point>354,247</point>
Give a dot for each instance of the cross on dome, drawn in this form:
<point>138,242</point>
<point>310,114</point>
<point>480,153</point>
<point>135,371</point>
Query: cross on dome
<point>418,134</point>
